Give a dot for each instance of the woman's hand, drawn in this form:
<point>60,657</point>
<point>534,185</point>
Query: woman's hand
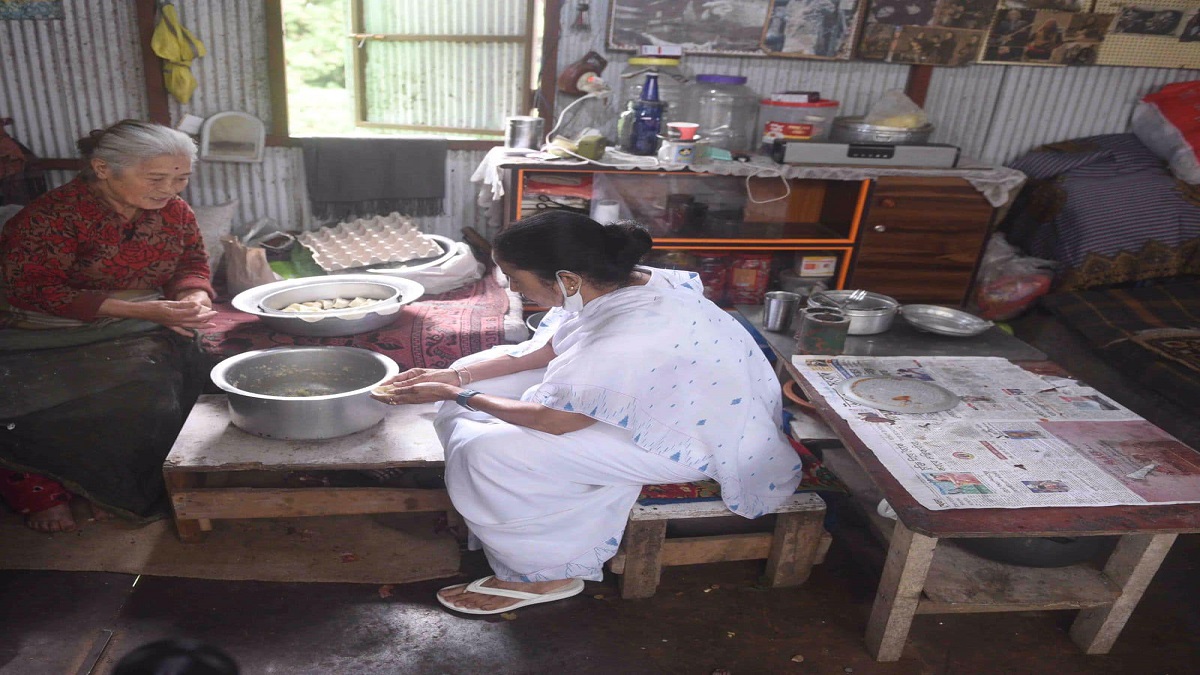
<point>182,316</point>
<point>423,392</point>
<point>195,295</point>
<point>420,375</point>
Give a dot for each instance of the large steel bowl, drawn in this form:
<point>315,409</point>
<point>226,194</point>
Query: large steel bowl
<point>304,393</point>
<point>333,323</point>
<point>855,130</point>
<point>873,314</point>
<point>383,293</point>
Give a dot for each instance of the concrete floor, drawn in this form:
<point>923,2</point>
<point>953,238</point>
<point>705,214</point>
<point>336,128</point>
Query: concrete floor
<point>704,618</point>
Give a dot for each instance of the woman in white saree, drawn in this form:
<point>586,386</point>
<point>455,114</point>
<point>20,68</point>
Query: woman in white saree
<point>634,378</point>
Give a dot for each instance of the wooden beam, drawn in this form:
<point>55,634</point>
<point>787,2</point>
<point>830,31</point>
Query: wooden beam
<point>549,73</point>
<point>917,86</point>
<point>276,69</point>
<point>152,69</point>
<point>218,503</point>
<point>382,37</point>
<point>718,548</point>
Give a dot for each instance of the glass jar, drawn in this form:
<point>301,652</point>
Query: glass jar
<point>726,110</point>
<point>673,79</point>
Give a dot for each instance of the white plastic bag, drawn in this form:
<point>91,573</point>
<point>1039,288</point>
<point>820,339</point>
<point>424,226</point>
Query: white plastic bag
<point>896,110</point>
<point>456,271</point>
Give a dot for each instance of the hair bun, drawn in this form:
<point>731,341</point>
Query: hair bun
<point>627,241</point>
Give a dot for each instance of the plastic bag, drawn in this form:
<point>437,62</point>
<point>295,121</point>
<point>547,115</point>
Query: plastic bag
<point>1008,281</point>
<point>896,110</point>
<point>245,266</point>
<point>1168,122</point>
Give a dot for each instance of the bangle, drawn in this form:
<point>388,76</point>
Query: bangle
<point>461,381</point>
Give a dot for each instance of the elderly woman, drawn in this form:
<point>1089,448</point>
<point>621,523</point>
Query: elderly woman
<point>634,378</point>
<point>93,272</point>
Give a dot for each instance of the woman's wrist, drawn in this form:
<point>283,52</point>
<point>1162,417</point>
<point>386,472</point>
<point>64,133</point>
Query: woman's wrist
<point>464,376</point>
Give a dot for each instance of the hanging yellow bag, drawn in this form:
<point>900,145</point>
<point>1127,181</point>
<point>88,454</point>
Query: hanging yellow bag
<point>174,45</point>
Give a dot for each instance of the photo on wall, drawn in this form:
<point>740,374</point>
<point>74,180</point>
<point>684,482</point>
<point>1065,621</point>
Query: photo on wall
<point>1084,35</point>
<point>699,26</point>
<point>974,14</point>
<point>817,29</point>
<point>1191,27</point>
<point>1010,34</point>
<point>1046,37</point>
<point>1054,5</point>
<point>902,12</point>
<point>876,42</point>
<point>936,46</point>
<point>1142,20</point>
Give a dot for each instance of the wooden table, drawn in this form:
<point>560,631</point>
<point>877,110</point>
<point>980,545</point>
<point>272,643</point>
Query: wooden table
<point>921,578</point>
<point>217,471</point>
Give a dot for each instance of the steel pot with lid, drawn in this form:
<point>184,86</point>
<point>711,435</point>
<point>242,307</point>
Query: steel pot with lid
<point>868,316</point>
<point>304,393</point>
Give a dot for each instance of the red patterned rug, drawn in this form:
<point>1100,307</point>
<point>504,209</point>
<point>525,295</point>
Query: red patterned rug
<point>430,333</point>
<point>816,478</point>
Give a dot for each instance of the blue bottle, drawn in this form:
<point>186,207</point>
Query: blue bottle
<point>647,119</point>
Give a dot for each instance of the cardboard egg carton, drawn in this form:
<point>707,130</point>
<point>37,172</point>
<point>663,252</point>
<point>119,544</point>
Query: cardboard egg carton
<point>376,240</point>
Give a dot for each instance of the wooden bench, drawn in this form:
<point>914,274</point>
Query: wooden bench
<point>797,542</point>
<point>216,471</point>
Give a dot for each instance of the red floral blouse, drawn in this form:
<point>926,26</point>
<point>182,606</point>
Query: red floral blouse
<point>68,249</point>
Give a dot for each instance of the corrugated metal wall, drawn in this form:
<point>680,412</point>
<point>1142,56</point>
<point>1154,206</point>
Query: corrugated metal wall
<point>994,112</point>
<point>62,78</point>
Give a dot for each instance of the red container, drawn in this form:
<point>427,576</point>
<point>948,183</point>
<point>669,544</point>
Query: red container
<point>748,278</point>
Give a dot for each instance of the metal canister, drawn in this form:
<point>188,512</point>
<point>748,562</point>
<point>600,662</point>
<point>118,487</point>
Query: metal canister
<point>523,131</point>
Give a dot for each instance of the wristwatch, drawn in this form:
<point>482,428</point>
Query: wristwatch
<point>464,399</point>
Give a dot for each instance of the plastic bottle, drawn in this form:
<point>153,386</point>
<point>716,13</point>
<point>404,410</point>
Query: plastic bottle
<point>726,110</point>
<point>673,81</point>
<point>647,119</point>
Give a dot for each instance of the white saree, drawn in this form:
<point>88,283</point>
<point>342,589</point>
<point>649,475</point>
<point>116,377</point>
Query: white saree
<point>680,391</point>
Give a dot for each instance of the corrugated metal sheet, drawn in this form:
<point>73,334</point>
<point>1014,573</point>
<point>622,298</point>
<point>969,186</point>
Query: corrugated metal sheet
<point>1040,105</point>
<point>63,78</point>
<point>470,85</point>
<point>961,103</point>
<point>233,76</point>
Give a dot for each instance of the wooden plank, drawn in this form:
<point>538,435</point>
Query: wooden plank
<point>1131,566</point>
<point>189,530</point>
<point>152,67</point>
<point>293,502</point>
<point>715,548</point>
<point>960,581</point>
<point>643,545</point>
<point>899,593</point>
<point>794,547</point>
<point>209,442</point>
<point>276,69</point>
<point>804,501</point>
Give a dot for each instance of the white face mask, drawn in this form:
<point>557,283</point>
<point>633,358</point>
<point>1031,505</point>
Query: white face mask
<point>571,303</point>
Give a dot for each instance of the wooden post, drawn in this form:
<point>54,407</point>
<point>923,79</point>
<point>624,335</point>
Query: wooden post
<point>899,592</point>
<point>643,558</point>
<point>191,531</point>
<point>1131,566</point>
<point>794,547</point>
<point>152,67</point>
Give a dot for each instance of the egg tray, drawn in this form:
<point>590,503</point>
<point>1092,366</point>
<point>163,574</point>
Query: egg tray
<point>378,240</point>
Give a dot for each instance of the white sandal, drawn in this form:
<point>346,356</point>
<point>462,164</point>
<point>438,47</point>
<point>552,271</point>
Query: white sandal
<point>526,599</point>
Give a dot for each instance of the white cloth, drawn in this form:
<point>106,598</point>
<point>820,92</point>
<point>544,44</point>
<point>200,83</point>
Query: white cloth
<point>682,393</point>
<point>488,173</point>
<point>544,507</point>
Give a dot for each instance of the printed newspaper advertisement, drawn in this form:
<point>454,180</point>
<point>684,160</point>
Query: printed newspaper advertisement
<point>1014,440</point>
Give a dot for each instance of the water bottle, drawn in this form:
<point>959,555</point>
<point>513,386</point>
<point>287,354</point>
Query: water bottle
<point>647,119</point>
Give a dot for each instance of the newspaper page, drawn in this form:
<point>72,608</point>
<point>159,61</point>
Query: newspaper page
<point>1014,440</point>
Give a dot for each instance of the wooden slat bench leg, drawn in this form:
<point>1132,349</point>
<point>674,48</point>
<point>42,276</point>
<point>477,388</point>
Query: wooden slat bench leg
<point>794,547</point>
<point>643,558</point>
<point>899,593</point>
<point>190,530</point>
<point>1131,566</point>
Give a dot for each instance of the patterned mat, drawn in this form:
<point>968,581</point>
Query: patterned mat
<point>430,333</point>
<point>816,478</point>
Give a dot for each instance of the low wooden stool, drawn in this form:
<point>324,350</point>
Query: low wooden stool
<point>798,542</point>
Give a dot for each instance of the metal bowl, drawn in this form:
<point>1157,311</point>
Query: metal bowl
<point>304,393</point>
<point>854,130</point>
<point>534,321</point>
<point>944,320</point>
<point>384,293</point>
<point>333,323</point>
<point>873,314</point>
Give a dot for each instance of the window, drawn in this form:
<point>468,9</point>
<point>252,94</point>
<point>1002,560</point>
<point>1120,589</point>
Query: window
<point>455,68</point>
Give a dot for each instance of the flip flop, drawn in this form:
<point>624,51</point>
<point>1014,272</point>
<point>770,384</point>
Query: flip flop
<point>526,599</point>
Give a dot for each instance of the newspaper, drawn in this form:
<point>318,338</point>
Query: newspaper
<point>1015,440</point>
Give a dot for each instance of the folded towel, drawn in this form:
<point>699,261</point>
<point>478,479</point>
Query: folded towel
<point>364,176</point>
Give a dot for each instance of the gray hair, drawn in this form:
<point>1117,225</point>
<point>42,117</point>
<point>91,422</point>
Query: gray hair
<point>131,142</point>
